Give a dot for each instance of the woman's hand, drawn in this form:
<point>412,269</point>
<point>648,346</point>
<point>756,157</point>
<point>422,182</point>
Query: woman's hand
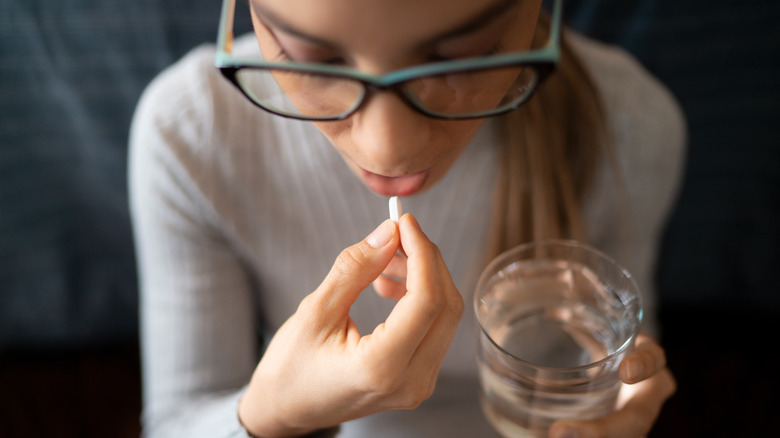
<point>318,371</point>
<point>647,385</point>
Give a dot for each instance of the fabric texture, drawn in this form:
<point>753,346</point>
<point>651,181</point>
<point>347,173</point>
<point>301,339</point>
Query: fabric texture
<point>239,214</point>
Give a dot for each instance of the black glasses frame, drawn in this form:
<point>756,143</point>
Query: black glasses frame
<point>542,60</point>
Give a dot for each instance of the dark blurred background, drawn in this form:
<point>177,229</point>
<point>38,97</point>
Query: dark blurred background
<point>72,71</point>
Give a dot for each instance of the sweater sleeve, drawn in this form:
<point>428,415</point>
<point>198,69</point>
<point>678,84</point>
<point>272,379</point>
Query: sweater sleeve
<point>199,344</point>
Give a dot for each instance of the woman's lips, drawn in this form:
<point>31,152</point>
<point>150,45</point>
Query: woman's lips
<point>395,186</point>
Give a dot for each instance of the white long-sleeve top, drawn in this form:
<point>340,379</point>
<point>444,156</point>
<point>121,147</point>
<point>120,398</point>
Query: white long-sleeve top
<point>239,214</point>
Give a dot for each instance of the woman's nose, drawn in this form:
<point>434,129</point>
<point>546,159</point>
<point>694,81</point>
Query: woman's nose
<point>388,131</point>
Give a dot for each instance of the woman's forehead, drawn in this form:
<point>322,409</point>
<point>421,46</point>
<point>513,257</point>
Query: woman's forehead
<point>398,21</point>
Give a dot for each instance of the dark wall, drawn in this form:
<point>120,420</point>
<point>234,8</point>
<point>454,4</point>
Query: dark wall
<point>70,75</point>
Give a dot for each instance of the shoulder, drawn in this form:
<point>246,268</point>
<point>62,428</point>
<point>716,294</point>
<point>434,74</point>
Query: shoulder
<point>195,133</point>
<point>643,116</point>
<point>184,97</point>
<point>173,115</point>
<point>175,85</point>
<point>193,118</point>
<point>645,122</point>
<point>190,134</point>
<point>613,67</point>
<point>192,104</point>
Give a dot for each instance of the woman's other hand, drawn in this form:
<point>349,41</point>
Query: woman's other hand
<point>318,371</point>
<point>647,384</point>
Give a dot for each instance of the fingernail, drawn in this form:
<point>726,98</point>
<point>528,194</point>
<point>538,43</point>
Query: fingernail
<point>633,369</point>
<point>381,235</point>
<point>567,433</point>
<point>414,222</point>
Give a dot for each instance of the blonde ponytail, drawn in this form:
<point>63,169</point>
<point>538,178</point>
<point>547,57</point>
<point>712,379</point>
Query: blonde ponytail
<point>550,152</point>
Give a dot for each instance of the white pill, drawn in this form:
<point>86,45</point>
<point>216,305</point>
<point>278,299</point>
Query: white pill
<point>395,209</point>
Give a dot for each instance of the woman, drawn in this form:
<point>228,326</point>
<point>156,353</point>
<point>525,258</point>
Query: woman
<point>239,213</point>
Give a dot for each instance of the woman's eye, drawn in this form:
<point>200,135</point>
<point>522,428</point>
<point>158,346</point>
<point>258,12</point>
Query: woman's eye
<point>285,56</point>
<point>333,61</point>
<point>282,56</point>
<point>436,57</point>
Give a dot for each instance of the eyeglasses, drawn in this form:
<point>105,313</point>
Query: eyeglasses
<point>455,89</point>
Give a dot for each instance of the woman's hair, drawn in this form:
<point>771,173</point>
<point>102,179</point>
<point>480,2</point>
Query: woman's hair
<point>549,155</point>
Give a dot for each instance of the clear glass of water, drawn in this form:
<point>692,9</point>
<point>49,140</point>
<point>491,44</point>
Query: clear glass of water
<point>555,320</point>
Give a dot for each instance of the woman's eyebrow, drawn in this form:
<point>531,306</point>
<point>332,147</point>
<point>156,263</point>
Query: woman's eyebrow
<point>477,22</point>
<point>269,17</point>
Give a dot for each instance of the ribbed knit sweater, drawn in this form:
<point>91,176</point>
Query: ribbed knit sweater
<point>239,214</point>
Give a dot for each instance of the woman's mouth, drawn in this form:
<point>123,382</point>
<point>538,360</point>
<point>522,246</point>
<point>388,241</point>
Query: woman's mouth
<point>405,185</point>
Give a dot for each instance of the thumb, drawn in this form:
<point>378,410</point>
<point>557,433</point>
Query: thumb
<point>357,266</point>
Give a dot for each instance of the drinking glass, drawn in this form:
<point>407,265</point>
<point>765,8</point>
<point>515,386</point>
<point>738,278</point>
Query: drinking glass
<point>555,319</point>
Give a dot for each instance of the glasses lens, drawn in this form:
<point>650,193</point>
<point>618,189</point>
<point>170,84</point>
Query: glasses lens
<point>473,92</point>
<point>300,94</point>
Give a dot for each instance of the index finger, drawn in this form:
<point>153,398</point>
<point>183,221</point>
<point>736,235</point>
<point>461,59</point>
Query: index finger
<point>427,284</point>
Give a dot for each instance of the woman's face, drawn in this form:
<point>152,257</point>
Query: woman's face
<point>392,148</point>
